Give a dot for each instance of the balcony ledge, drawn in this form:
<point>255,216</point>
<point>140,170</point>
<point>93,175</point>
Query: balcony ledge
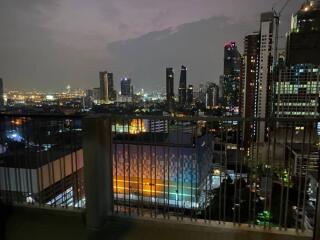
<point>42,223</point>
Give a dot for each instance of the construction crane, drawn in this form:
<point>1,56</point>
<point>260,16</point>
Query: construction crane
<point>277,16</point>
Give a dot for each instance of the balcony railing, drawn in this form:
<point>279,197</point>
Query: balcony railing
<point>205,170</point>
<point>41,161</point>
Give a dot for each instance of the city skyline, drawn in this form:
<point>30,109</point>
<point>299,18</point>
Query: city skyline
<point>161,132</point>
<point>34,68</point>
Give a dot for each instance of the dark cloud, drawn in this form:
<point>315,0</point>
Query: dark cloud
<point>198,45</point>
<point>47,44</point>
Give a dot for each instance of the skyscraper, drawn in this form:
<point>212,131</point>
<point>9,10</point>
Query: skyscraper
<point>303,42</point>
<point>183,86</point>
<point>297,85</point>
<point>231,78</point>
<point>1,93</point>
<point>111,92</point>
<point>96,94</point>
<point>202,94</point>
<point>107,92</point>
<point>104,86</point>
<point>296,91</point>
<point>190,95</point>
<point>170,85</point>
<point>212,95</point>
<point>126,87</point>
<point>249,74</point>
<point>256,76</point>
<point>262,102</point>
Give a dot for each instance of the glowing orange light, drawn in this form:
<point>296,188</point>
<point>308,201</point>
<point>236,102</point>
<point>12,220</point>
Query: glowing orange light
<point>137,126</point>
<point>18,121</point>
<point>145,186</point>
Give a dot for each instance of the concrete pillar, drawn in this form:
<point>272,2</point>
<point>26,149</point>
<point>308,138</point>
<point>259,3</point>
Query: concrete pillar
<point>317,217</point>
<point>98,181</point>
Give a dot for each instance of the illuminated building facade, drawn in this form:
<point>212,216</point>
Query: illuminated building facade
<point>126,87</point>
<point>297,91</point>
<point>155,171</point>
<point>256,78</point>
<point>262,98</point>
<point>231,77</point>
<point>154,125</point>
<point>297,86</point>
<point>137,126</point>
<point>183,86</point>
<point>249,74</point>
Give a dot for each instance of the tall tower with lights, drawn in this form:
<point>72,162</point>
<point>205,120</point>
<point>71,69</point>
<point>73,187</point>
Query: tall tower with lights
<point>183,86</point>
<point>231,76</point>
<point>262,98</point>
<point>126,87</point>
<point>297,86</point>
<point>170,85</point>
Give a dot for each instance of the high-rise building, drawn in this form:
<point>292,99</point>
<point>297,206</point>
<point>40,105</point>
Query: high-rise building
<point>126,87</point>
<point>231,76</point>
<point>170,85</point>
<point>183,86</point>
<point>262,102</point>
<point>88,99</point>
<point>212,95</point>
<point>107,92</point>
<point>249,74</point>
<point>256,76</point>
<point>303,42</point>
<point>96,94</point>
<point>296,91</point>
<point>231,59</point>
<point>202,94</point>
<point>111,91</point>
<point>199,95</point>
<point>104,86</point>
<point>1,93</point>
<point>297,86</point>
<point>190,95</point>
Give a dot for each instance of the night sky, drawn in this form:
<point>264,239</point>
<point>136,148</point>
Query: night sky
<point>48,44</point>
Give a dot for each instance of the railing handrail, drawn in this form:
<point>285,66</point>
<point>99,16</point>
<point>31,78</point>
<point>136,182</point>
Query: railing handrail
<point>161,117</point>
<point>42,115</point>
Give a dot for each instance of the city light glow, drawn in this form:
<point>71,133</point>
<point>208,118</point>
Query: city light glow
<point>137,126</point>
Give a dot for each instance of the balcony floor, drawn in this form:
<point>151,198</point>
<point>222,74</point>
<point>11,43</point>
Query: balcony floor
<point>30,223</point>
